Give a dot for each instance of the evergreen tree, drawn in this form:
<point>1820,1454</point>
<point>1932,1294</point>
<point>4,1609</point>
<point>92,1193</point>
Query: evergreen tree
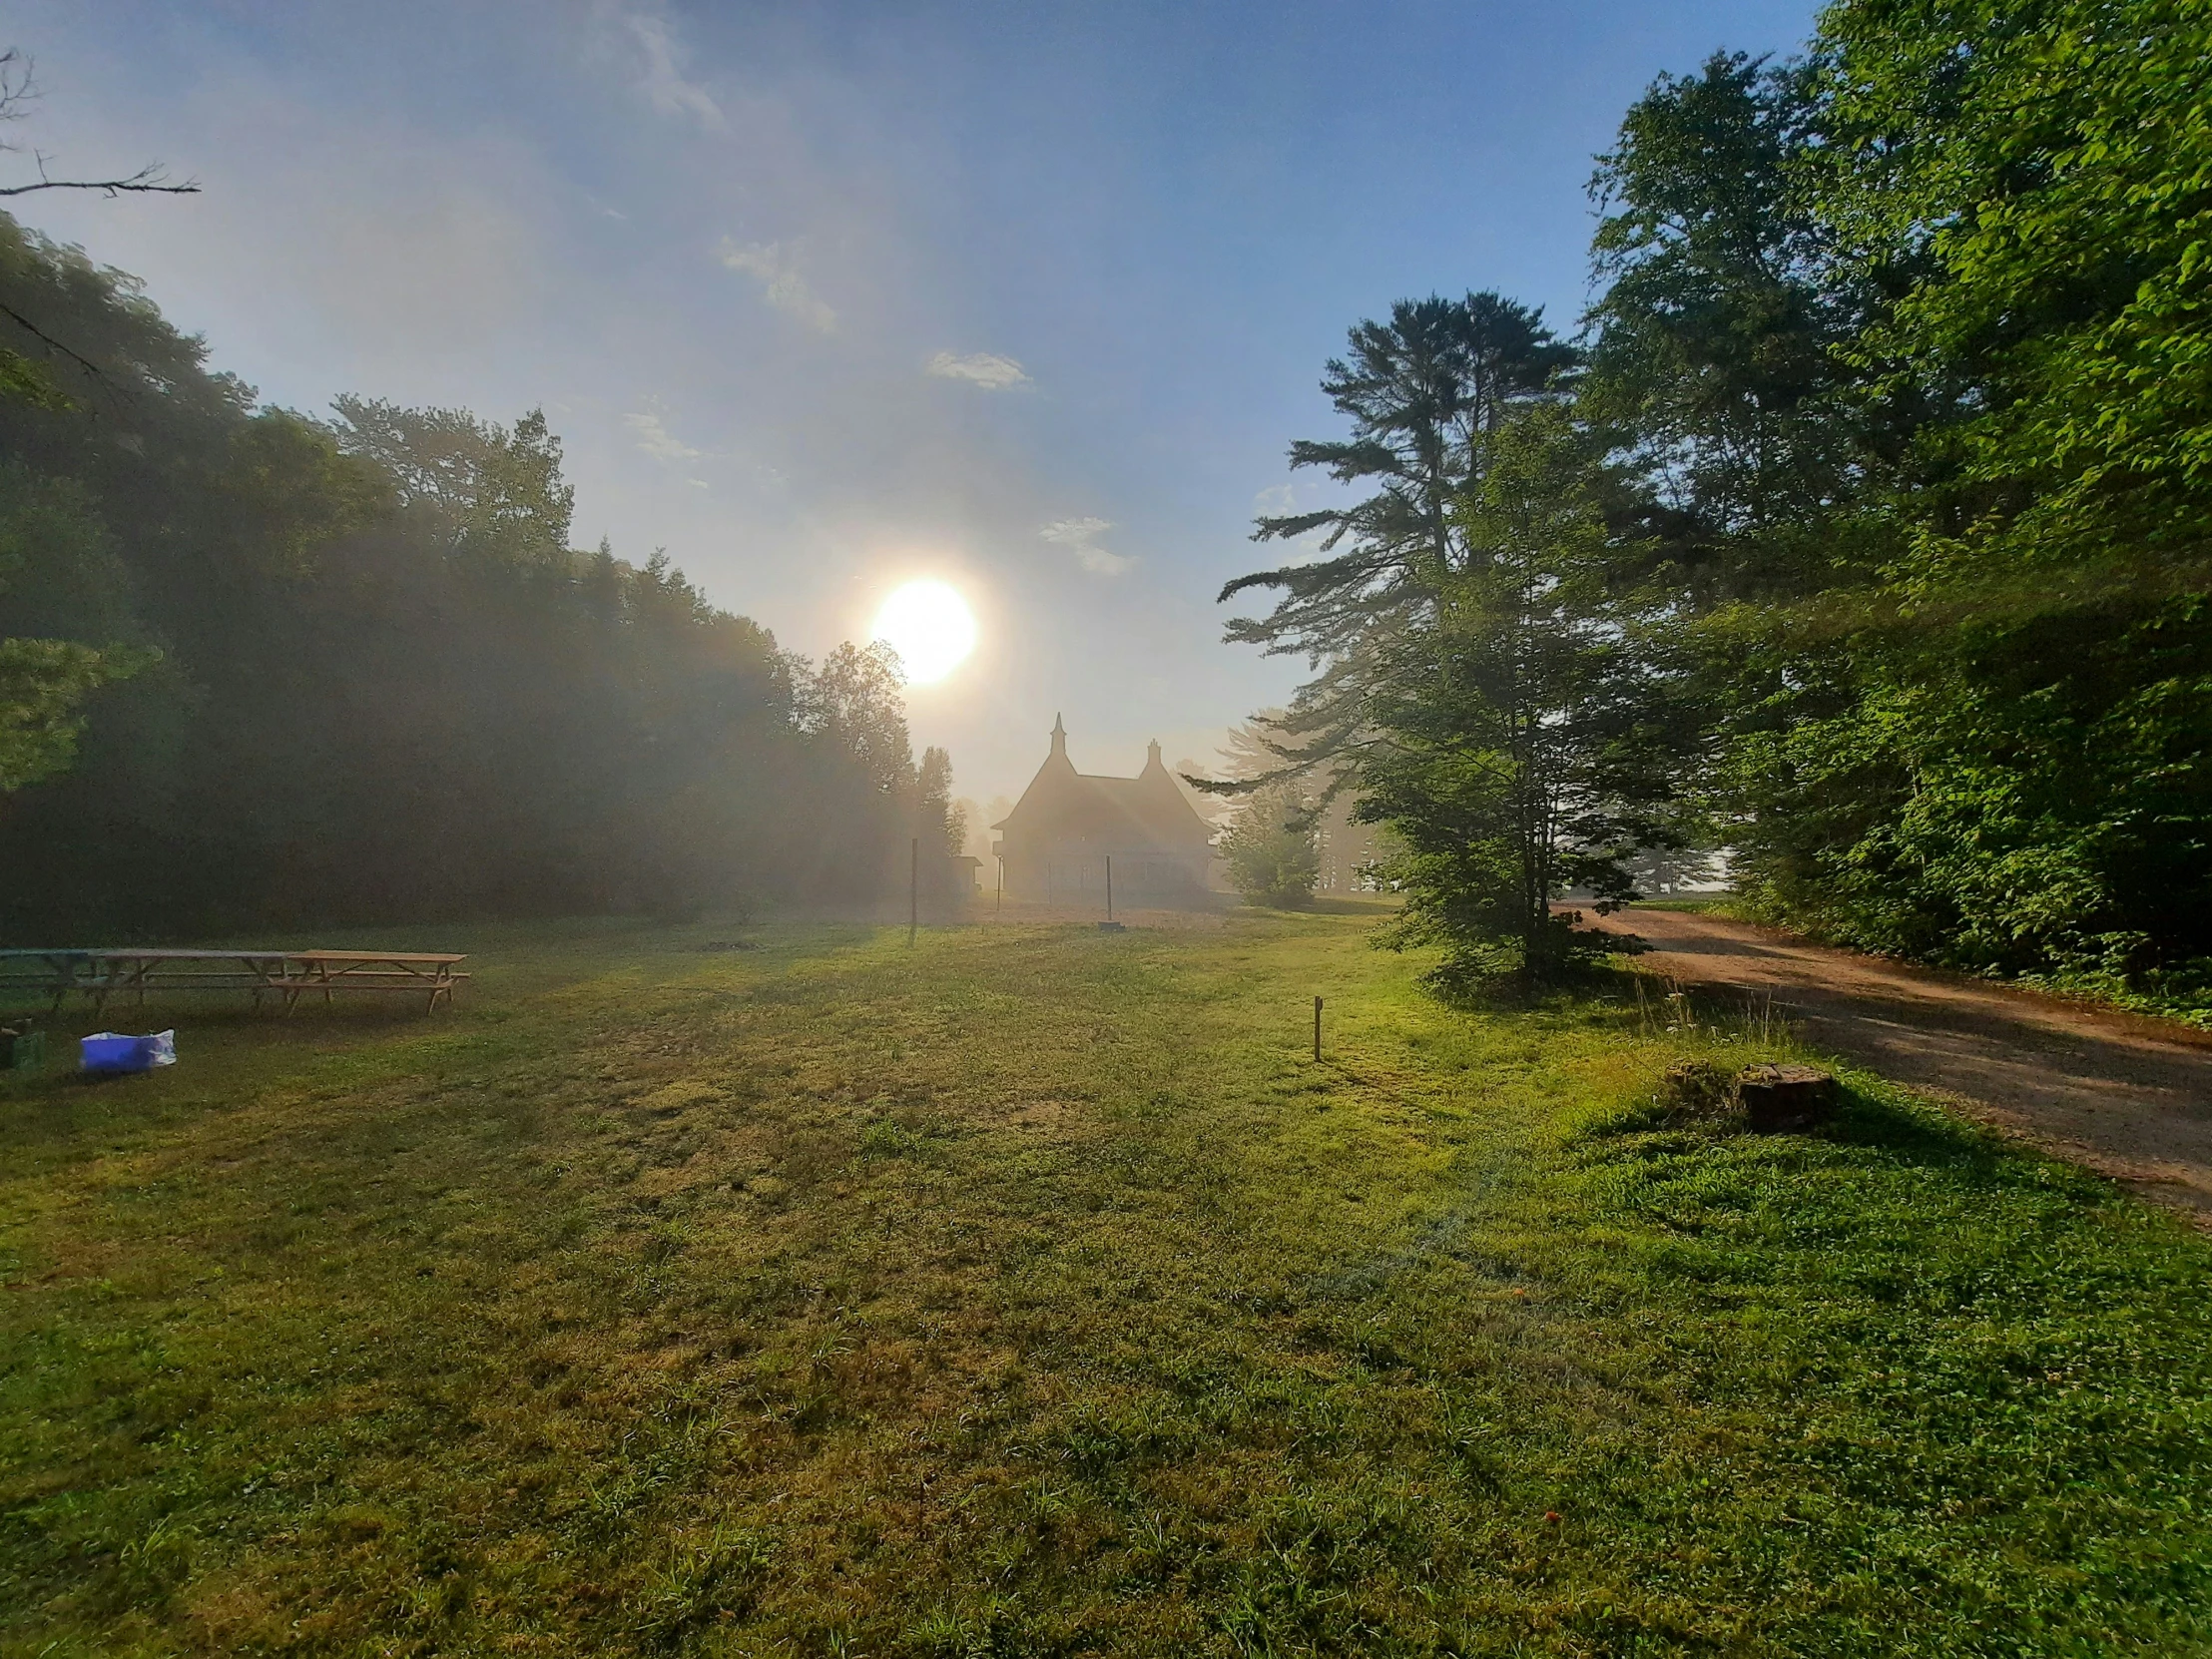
<point>1270,848</point>
<point>1536,748</point>
<point>1422,391</point>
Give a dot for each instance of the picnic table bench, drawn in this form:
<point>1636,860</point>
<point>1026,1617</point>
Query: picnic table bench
<point>287,976</point>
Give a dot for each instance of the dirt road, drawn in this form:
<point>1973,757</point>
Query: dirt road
<point>2129,1097</point>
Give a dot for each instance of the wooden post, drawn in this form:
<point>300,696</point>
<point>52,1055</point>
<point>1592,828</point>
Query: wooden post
<point>1000,908</point>
<point>914,889</point>
<point>1109,886</point>
<point>1317,1028</point>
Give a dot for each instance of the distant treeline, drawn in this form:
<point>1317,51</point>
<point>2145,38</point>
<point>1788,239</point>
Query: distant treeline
<point>264,671</point>
<point>1863,528</point>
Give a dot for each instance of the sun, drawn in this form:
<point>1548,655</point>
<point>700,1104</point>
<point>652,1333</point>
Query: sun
<point>931,627</point>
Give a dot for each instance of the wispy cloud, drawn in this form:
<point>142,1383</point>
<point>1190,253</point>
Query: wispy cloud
<point>1080,537</point>
<point>979,368</point>
<point>661,71</point>
<point>656,439</point>
<point>782,283</point>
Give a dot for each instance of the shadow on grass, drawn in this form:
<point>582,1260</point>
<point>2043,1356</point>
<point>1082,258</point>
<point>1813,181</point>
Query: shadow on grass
<point>1570,988</point>
<point>1881,1118</point>
<point>1873,1118</point>
<point>1353,904</point>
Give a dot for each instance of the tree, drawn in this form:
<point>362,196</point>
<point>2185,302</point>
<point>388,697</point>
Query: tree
<point>2028,180</point>
<point>1535,749</point>
<point>386,688</point>
<point>940,824</point>
<point>856,704</point>
<point>59,581</point>
<point>1714,339</point>
<point>1908,346</point>
<point>43,688</point>
<point>22,374</point>
<point>45,682</point>
<point>1270,847</point>
<point>1423,391</point>
<point>489,491</point>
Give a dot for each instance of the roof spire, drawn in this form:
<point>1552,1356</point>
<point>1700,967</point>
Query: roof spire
<point>1059,738</point>
<point>1152,752</point>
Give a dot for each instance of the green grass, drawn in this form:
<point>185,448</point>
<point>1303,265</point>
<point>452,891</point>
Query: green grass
<point>1723,904</point>
<point>1034,1292</point>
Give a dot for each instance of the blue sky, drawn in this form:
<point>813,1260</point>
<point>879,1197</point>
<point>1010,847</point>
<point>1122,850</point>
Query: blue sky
<point>1030,297</point>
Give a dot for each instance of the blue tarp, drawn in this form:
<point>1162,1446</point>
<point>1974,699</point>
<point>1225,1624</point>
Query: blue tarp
<point>112,1051</point>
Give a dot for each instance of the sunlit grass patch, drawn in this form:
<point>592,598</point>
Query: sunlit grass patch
<point>1034,1291</point>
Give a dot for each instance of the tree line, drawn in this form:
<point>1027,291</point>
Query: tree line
<point>260,670</point>
<point>1860,529</point>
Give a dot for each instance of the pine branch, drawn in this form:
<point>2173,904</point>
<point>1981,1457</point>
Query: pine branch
<point>1294,525</point>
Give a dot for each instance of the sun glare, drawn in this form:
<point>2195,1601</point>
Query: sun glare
<point>931,627</point>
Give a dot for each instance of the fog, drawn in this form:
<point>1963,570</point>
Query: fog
<point>826,299</point>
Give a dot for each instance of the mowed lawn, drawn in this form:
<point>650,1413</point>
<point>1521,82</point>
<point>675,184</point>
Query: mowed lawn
<point>1033,1290</point>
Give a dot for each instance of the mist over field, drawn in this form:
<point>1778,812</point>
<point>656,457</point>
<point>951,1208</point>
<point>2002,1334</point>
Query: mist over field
<point>984,830</point>
<point>822,299</point>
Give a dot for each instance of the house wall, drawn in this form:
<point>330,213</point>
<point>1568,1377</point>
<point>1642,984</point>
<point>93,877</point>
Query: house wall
<point>1064,874</point>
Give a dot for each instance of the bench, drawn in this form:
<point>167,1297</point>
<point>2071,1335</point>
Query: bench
<point>287,976</point>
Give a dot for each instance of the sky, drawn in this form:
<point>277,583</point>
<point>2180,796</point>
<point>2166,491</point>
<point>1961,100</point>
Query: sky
<point>822,298</point>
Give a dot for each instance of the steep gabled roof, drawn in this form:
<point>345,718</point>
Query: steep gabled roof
<point>1144,811</point>
<point>1155,807</point>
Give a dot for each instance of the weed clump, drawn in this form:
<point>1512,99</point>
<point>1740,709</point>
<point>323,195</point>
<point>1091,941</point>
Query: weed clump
<point>1695,1092</point>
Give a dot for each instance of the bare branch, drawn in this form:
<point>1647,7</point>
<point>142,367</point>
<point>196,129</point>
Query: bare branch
<point>49,341</point>
<point>16,87</point>
<point>146,181</point>
<point>19,87</point>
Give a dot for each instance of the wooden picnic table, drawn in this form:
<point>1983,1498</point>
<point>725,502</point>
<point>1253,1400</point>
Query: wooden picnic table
<point>287,976</point>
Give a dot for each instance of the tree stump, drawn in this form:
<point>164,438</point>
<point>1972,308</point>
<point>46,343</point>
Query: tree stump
<point>1776,1099</point>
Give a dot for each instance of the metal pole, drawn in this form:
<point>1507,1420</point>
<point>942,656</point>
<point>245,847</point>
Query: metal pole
<point>1317,1028</point>
<point>913,888</point>
<point>1109,886</point>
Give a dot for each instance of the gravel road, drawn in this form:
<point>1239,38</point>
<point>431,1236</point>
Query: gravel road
<point>2126,1096</point>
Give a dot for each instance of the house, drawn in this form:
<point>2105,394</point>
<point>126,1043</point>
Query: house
<point>1055,845</point>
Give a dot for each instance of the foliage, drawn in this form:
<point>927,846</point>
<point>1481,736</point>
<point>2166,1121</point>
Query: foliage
<point>1941,520</point>
<point>483,490</point>
<point>1422,392</point>
<point>1270,848</point>
<point>1533,754</point>
<point>1034,1293</point>
<point>386,686</point>
<point>43,688</point>
<point>55,567</point>
<point>1712,340</point>
<point>2028,183</point>
<point>2038,175</point>
<point>1899,362</point>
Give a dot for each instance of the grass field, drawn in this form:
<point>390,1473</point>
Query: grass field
<point>1034,1292</point>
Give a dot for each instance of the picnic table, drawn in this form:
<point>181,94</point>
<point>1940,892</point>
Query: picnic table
<point>287,976</point>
